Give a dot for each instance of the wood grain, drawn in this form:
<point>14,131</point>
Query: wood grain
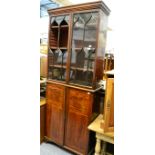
<point>55,113</point>
<point>108,124</point>
<point>42,121</point>
<point>79,108</point>
<point>80,7</point>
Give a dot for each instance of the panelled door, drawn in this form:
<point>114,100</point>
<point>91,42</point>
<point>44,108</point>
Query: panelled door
<point>55,113</point>
<point>78,110</point>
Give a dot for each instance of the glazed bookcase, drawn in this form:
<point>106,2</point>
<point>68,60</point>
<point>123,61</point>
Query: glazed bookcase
<point>76,43</point>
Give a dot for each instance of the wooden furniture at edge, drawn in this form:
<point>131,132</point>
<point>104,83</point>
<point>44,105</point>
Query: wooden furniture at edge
<point>42,118</point>
<point>101,136</point>
<point>107,123</point>
<point>77,37</point>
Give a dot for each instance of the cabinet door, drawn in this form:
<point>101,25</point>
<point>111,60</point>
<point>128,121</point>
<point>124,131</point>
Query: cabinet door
<point>79,109</point>
<point>58,47</point>
<point>83,50</point>
<point>55,113</point>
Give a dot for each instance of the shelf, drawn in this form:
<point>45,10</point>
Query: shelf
<point>81,69</point>
<point>76,48</point>
<point>61,48</point>
<point>54,48</point>
<point>58,66</point>
<point>54,27</point>
<point>78,82</point>
<point>64,26</point>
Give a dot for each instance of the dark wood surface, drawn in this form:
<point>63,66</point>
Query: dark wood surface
<point>78,112</point>
<point>81,7</point>
<point>55,113</point>
<point>42,122</point>
<point>75,86</point>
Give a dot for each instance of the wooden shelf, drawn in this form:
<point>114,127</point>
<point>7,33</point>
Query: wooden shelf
<point>77,48</point>
<point>54,48</point>
<point>63,26</point>
<point>80,83</point>
<point>61,48</point>
<point>54,27</point>
<point>58,66</point>
<point>81,69</point>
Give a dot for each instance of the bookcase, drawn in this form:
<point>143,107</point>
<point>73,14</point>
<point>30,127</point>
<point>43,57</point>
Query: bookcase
<point>76,43</point>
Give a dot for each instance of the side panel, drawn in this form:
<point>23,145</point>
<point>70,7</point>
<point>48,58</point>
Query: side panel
<point>42,122</point>
<point>102,35</point>
<point>109,106</point>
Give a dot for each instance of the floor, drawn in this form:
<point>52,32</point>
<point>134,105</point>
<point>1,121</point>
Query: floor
<point>51,149</point>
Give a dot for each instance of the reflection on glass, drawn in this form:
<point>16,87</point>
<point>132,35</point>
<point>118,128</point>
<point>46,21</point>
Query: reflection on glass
<point>59,19</point>
<point>53,22</point>
<point>78,30</point>
<point>57,64</point>
<point>58,42</point>
<point>83,48</point>
<point>65,20</point>
<point>91,31</point>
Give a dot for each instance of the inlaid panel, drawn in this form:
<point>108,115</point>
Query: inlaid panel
<point>79,102</point>
<point>79,109</point>
<point>55,113</point>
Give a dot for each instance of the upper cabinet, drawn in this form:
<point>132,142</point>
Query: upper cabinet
<point>77,40</point>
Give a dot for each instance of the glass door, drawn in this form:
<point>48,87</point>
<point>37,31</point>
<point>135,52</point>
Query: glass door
<point>83,48</point>
<point>58,48</point>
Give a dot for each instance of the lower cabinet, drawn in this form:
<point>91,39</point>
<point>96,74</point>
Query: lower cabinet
<point>69,112</point>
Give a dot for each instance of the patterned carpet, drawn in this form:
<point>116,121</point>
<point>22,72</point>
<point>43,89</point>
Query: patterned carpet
<point>51,149</point>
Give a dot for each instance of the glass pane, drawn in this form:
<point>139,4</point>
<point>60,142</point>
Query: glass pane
<point>78,31</point>
<point>65,20</point>
<point>83,48</point>
<point>57,64</point>
<point>91,31</point>
<point>53,22</point>
<point>59,19</point>
<point>89,58</point>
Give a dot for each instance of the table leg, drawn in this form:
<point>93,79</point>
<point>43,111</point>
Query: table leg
<point>98,146</point>
<point>103,151</point>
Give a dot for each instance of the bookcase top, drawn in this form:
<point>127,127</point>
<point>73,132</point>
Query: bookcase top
<point>80,7</point>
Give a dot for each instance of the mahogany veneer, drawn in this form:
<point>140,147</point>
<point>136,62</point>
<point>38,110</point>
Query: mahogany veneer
<point>77,37</point>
